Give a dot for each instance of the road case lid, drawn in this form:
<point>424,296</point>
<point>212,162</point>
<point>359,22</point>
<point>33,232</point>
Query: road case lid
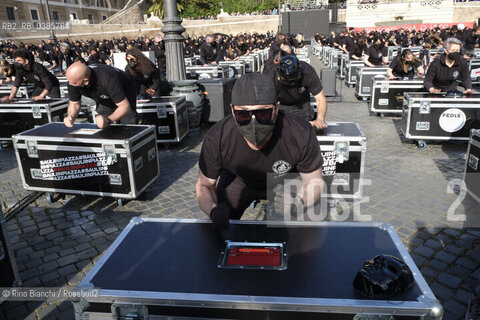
<point>340,129</point>
<point>440,96</point>
<point>57,131</point>
<point>174,261</point>
<point>164,100</point>
<point>23,103</point>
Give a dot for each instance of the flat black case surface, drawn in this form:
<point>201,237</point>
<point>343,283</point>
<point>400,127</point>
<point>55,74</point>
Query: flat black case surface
<point>182,258</point>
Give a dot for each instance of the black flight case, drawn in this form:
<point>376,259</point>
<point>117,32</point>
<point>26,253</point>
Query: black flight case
<point>365,77</point>
<point>209,72</point>
<point>168,114</point>
<point>119,161</point>
<point>235,68</point>
<point>24,91</point>
<point>352,67</point>
<point>428,116</point>
<point>218,96</point>
<point>169,268</point>
<point>474,65</point>
<point>24,114</point>
<point>471,175</point>
<point>8,267</point>
<point>388,95</point>
<point>343,146</point>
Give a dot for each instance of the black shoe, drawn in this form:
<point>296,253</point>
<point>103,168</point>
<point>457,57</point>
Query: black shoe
<point>473,310</point>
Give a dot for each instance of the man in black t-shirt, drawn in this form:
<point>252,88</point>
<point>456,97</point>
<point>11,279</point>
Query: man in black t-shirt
<point>376,54</point>
<point>294,80</point>
<point>112,89</point>
<point>97,57</point>
<point>256,140</point>
<point>209,53</point>
<point>46,84</point>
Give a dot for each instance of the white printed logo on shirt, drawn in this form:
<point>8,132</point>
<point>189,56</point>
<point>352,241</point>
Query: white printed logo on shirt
<point>281,166</point>
<point>455,74</point>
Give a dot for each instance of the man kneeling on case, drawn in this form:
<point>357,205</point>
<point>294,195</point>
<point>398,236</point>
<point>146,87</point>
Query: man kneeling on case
<point>257,139</point>
<point>113,90</point>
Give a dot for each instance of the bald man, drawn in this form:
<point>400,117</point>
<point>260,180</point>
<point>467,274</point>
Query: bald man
<point>113,90</point>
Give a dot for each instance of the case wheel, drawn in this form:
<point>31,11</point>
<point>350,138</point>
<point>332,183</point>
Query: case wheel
<point>381,115</point>
<point>120,202</point>
<point>349,85</point>
<point>364,99</point>
<point>49,197</point>
<point>421,144</point>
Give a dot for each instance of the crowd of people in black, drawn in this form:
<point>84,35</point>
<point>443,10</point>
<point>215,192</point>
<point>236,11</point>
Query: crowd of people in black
<point>355,44</point>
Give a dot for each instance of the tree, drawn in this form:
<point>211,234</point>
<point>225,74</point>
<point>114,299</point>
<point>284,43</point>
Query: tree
<point>157,7</point>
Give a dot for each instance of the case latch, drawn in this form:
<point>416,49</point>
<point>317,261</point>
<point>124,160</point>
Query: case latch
<point>110,154</point>
<point>342,150</point>
<point>161,112</point>
<point>385,87</point>
<point>129,312</point>
<point>424,107</point>
<point>36,112</point>
<point>473,162</point>
<point>32,149</point>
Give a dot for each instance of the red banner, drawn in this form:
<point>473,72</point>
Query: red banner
<point>419,27</point>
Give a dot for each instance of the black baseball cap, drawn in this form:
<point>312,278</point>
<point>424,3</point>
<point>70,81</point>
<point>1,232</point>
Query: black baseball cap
<point>254,89</point>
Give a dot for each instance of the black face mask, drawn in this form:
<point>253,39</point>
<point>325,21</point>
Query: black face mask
<point>18,65</point>
<point>256,132</point>
<point>132,64</point>
<point>82,86</point>
<point>409,62</point>
<point>377,46</point>
<point>454,56</point>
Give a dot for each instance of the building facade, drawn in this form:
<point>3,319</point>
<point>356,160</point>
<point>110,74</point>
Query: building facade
<point>94,11</point>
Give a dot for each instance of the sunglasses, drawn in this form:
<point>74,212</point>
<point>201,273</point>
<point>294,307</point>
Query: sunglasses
<point>263,116</point>
<point>128,60</point>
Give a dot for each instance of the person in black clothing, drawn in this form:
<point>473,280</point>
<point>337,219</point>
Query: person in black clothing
<point>208,52</point>
<point>471,39</point>
<point>150,81</point>
<point>221,47</point>
<point>159,48</point>
<point>294,80</point>
<point>377,54</point>
<point>46,84</point>
<point>239,152</point>
<point>97,57</point>
<point>358,48</point>
<point>443,73</point>
<point>67,55</point>
<point>113,90</point>
<point>404,65</point>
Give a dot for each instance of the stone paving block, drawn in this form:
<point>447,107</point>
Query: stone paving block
<point>68,269</point>
<point>463,296</point>
<point>467,263</point>
<point>49,277</point>
<point>454,307</point>
<point>437,264</point>
<point>453,249</point>
<point>63,261</point>
<point>449,280</point>
<point>445,256</point>
<point>425,251</point>
<point>433,244</point>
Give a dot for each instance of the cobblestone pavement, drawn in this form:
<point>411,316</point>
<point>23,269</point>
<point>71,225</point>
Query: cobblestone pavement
<point>57,244</point>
